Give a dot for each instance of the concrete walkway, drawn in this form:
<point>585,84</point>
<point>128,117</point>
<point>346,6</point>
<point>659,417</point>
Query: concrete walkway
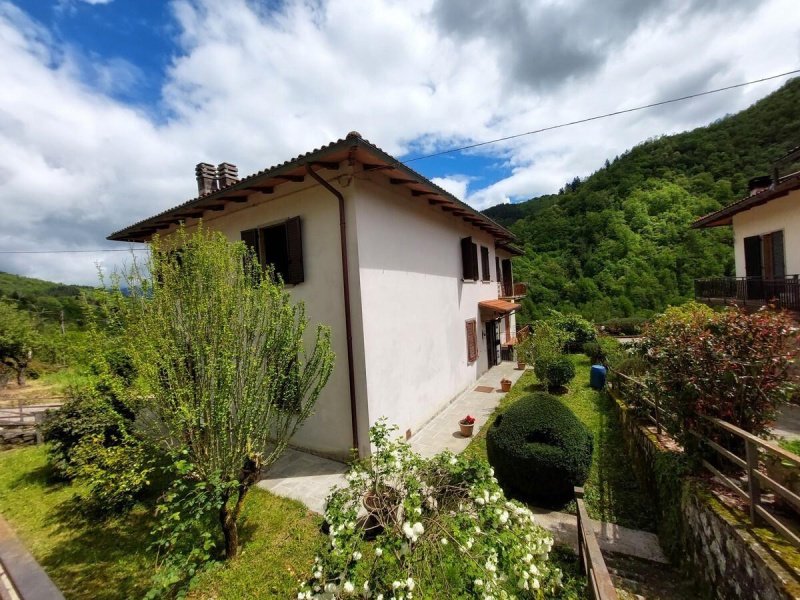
<point>787,425</point>
<point>442,432</point>
<point>611,537</point>
<point>309,478</point>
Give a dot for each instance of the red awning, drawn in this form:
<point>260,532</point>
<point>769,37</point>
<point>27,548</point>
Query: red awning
<point>501,306</point>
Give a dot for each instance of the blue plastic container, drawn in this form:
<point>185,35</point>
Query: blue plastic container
<point>597,377</point>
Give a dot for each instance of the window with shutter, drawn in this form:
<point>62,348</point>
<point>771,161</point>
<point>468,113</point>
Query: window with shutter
<point>469,259</point>
<point>472,341</point>
<point>485,274</point>
<point>294,244</point>
<point>279,246</point>
<point>497,270</point>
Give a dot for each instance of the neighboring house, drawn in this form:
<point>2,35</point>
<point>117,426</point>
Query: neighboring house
<point>416,285</point>
<point>766,231</point>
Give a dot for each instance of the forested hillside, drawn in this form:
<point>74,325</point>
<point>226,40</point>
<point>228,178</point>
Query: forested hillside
<point>619,244</point>
<point>43,299</point>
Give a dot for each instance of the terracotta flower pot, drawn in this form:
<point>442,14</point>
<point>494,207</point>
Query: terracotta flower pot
<point>505,385</point>
<point>520,365</point>
<point>466,429</point>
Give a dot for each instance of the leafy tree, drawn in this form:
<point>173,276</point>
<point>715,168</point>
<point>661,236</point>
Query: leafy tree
<point>221,351</point>
<point>18,338</point>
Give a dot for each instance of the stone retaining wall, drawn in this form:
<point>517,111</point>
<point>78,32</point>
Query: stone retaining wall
<point>715,545</point>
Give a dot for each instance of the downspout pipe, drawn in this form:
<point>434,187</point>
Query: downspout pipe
<point>351,376</point>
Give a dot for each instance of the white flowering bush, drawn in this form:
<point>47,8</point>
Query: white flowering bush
<point>407,527</point>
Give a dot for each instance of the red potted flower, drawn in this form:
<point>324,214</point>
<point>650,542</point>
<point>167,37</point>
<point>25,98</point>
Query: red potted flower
<point>466,424</point>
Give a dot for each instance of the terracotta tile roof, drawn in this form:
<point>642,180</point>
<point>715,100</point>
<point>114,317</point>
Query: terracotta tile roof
<point>503,306</point>
<point>371,156</point>
<point>724,216</point>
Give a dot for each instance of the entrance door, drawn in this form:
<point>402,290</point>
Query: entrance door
<point>493,343</point>
<point>754,267</point>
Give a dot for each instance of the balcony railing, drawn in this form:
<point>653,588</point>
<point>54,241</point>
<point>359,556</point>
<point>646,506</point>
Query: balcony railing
<point>516,290</point>
<point>783,292</point>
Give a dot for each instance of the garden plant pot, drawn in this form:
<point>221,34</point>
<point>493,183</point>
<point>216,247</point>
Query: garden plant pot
<point>505,385</point>
<point>466,429</point>
<point>520,365</point>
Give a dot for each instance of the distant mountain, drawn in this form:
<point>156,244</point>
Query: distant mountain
<point>618,243</point>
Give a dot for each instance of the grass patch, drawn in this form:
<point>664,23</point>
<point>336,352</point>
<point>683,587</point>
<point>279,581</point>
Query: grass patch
<point>790,445</point>
<point>612,493</point>
<point>87,558</point>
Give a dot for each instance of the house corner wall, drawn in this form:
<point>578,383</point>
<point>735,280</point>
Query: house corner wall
<point>415,304</point>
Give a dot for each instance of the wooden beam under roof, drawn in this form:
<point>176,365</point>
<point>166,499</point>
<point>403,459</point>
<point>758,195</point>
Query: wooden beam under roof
<point>401,180</point>
<point>330,165</point>
<point>262,189</point>
<point>292,178</point>
<point>423,193</point>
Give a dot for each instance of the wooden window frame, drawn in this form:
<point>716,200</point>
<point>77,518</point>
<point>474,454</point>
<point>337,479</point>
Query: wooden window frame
<point>471,327</point>
<point>486,273</point>
<point>469,259</point>
<point>254,238</point>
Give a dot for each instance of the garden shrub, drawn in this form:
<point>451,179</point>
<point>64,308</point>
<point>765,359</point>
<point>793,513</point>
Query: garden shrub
<point>559,372</point>
<point>624,326</point>
<point>442,528</point>
<point>730,364</point>
<point>592,350</point>
<point>113,474</point>
<point>577,329</point>
<point>539,449</point>
<point>85,414</point>
<point>632,366</point>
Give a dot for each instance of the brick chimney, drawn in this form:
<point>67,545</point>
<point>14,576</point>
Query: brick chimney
<point>227,174</point>
<point>206,178</point>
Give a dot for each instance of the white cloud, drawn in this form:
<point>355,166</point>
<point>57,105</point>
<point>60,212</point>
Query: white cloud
<point>256,86</point>
<point>455,184</point>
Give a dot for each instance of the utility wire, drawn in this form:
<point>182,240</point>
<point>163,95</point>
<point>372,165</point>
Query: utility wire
<point>603,116</point>
<point>486,143</point>
<point>72,251</point>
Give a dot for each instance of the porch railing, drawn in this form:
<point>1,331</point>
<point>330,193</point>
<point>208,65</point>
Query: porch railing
<point>784,292</point>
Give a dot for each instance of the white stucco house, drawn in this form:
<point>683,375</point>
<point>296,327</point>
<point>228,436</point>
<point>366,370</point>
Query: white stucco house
<point>415,285</point>
<point>766,231</point>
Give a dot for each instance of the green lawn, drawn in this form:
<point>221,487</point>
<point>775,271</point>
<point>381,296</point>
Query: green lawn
<point>88,558</point>
<point>612,493</point>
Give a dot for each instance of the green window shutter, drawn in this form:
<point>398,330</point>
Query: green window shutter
<point>294,245</point>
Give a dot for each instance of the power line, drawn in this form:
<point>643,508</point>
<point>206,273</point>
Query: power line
<point>603,116</point>
<point>72,251</point>
<point>485,143</point>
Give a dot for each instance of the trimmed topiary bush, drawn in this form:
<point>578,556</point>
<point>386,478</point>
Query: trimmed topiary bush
<point>555,371</point>
<point>559,372</point>
<point>539,449</point>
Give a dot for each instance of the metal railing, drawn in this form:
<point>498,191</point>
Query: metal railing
<point>751,470</point>
<point>589,556</point>
<point>783,292</point>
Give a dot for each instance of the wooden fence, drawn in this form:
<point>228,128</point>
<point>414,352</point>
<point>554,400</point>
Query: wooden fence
<point>589,556</point>
<point>749,478</point>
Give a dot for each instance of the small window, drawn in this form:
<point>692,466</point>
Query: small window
<point>469,259</point>
<point>485,274</point>
<point>497,269</point>
<point>280,246</point>
<point>472,341</point>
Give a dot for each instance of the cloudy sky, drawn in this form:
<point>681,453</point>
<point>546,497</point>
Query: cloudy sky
<point>107,105</point>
